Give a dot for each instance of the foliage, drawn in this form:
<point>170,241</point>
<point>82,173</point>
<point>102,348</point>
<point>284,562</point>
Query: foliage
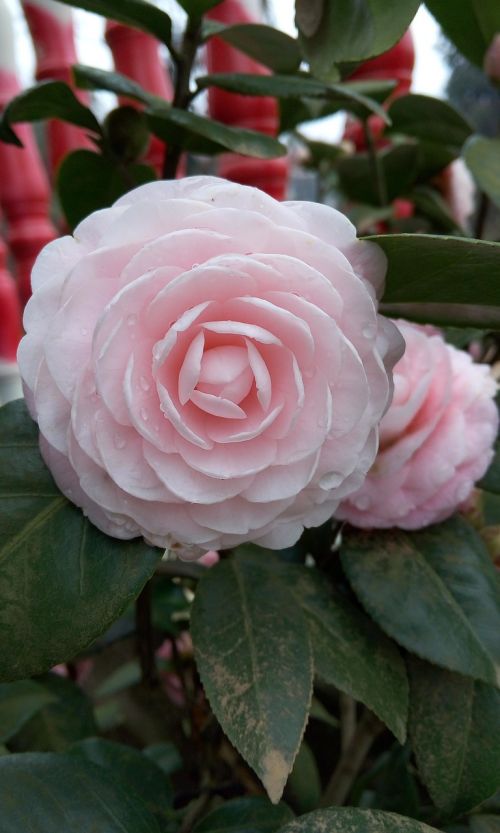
<point>356,667</point>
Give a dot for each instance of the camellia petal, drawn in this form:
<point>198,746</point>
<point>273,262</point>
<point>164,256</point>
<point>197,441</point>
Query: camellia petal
<point>207,365</point>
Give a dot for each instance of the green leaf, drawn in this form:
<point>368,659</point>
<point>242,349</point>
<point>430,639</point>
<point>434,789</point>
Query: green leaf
<point>19,701</point>
<point>47,100</point>
<point>255,813</point>
<point>431,119</point>
<point>453,726</point>
<point>431,204</point>
<point>269,46</point>
<point>429,279</point>
<point>197,8</point>
<point>91,78</point>
<point>132,769</point>
<point>484,823</point>
<point>338,31</point>
<point>483,160</point>
<point>491,480</point>
<point>348,96</point>
<point>56,569</point>
<point>139,14</point>
<point>255,663</point>
<point>434,591</point>
<point>303,789</point>
<point>183,128</point>
<point>87,181</point>
<point>351,653</point>
<point>54,727</point>
<point>352,820</point>
<point>467,24</point>
<point>44,793</point>
<point>165,756</point>
<point>400,169</point>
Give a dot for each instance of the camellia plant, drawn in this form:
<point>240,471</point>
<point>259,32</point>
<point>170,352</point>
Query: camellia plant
<point>249,503</point>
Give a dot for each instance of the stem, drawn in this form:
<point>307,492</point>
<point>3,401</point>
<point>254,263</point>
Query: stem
<point>482,214</point>
<point>181,569</point>
<point>182,94</point>
<point>377,170</point>
<point>351,760</point>
<point>347,720</point>
<point>144,633</point>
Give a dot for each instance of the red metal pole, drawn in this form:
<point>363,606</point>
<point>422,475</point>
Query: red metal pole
<point>51,27</point>
<point>24,188</point>
<point>252,112</point>
<point>136,54</point>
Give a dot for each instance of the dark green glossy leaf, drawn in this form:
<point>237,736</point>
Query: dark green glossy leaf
<point>196,8</point>
<point>255,662</point>
<point>44,793</point>
<point>342,31</point>
<point>351,653</point>
<point>453,726</point>
<point>431,204</point>
<point>303,789</point>
<point>482,156</point>
<point>127,133</point>
<point>68,718</point>
<point>434,591</point>
<point>56,569</point>
<point>132,769</point>
<point>269,46</point>
<point>484,823</point>
<point>165,755</point>
<point>91,78</point>
<point>464,23</point>
<point>491,480</point>
<point>429,278</point>
<point>139,14</point>
<point>180,126</point>
<point>256,814</point>
<point>400,170</point>
<point>48,100</point>
<point>352,820</point>
<point>430,119</point>
<point>87,181</point>
<point>348,96</point>
<point>19,701</point>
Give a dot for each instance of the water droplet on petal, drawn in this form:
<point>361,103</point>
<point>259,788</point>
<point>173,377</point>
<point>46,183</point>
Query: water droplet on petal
<point>144,414</point>
<point>195,265</point>
<point>131,320</point>
<point>84,331</point>
<point>119,441</point>
<point>144,383</point>
<point>369,330</point>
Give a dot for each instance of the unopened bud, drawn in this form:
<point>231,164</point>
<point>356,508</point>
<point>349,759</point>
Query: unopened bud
<point>492,59</point>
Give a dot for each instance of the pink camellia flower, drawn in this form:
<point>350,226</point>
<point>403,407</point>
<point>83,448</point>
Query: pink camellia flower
<point>435,440</point>
<point>207,366</point>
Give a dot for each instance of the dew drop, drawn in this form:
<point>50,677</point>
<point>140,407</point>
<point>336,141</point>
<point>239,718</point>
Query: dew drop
<point>369,330</point>
<point>144,414</point>
<point>195,265</point>
<point>119,441</point>
<point>144,383</point>
<point>69,493</point>
<point>84,331</point>
<point>131,320</point>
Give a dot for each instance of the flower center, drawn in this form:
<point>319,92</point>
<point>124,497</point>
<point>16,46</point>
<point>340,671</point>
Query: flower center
<point>225,372</point>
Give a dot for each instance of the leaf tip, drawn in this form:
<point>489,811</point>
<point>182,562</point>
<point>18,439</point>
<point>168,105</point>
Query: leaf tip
<point>275,771</point>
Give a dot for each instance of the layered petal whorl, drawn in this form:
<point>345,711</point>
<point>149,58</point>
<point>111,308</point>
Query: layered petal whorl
<point>436,439</point>
<point>207,365</point>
